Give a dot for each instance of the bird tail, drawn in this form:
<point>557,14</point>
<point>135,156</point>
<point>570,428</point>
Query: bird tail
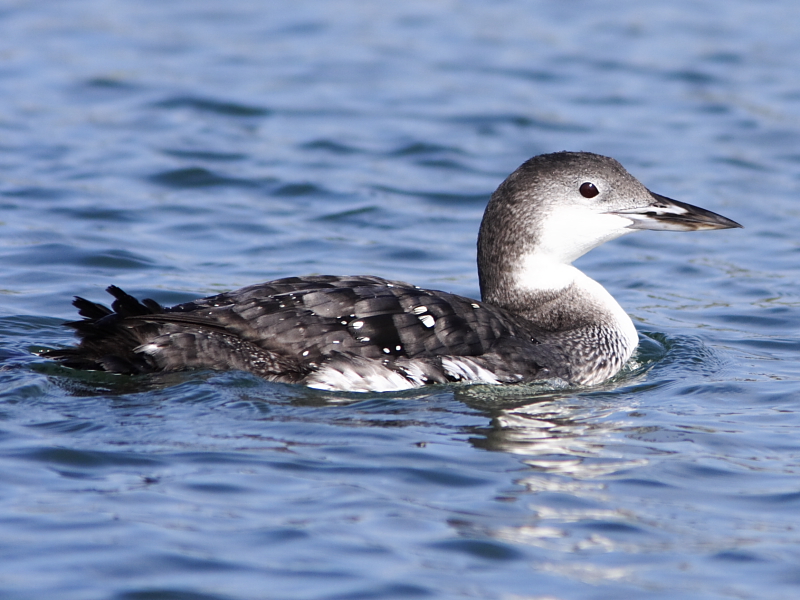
<point>107,341</point>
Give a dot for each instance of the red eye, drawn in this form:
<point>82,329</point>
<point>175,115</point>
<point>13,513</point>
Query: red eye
<point>589,190</point>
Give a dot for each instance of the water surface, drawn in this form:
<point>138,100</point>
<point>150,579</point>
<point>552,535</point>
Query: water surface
<point>181,149</point>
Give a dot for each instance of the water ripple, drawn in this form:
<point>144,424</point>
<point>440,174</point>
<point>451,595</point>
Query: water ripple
<point>191,177</point>
<point>219,107</point>
<point>182,149</point>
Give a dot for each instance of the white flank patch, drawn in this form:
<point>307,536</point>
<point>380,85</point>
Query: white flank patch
<point>415,374</point>
<point>371,376</point>
<point>464,369</point>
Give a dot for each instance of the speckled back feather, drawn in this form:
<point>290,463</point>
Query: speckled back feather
<point>309,329</point>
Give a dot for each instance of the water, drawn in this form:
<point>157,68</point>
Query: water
<point>180,149</point>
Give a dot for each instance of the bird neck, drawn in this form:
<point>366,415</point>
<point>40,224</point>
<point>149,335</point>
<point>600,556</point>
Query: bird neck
<point>570,313</point>
<point>554,296</point>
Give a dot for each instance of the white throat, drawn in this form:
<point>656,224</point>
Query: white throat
<point>569,232</point>
<point>540,273</point>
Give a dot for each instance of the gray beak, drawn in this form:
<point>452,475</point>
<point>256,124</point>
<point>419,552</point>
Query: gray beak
<point>665,214</point>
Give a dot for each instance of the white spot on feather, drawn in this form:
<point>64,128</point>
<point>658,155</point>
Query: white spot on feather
<point>150,349</point>
<point>419,310</point>
<point>427,320</point>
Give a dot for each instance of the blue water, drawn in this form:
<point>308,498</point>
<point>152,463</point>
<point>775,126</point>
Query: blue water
<point>177,149</point>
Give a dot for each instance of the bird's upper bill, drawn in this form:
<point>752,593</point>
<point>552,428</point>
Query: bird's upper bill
<point>665,214</point>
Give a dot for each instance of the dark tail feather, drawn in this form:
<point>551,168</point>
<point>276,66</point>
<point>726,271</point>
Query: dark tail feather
<point>126,305</point>
<point>90,310</point>
<point>106,340</point>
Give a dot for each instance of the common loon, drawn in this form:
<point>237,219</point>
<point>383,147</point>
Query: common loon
<point>540,318</point>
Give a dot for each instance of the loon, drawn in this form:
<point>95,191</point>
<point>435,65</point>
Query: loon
<point>540,318</point>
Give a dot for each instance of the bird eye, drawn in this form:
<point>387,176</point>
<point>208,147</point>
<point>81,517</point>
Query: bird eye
<point>589,190</point>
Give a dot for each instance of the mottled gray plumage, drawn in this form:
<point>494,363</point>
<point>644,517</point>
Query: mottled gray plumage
<point>540,318</point>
